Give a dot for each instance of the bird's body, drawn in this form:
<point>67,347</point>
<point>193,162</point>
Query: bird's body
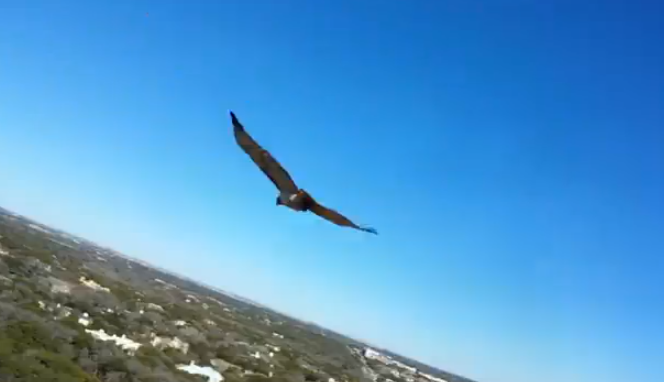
<point>296,201</point>
<point>290,195</point>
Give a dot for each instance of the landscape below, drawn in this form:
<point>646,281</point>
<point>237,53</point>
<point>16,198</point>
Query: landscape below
<point>71,311</point>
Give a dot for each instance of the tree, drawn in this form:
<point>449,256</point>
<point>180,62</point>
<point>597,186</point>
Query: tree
<point>41,366</point>
<point>257,378</point>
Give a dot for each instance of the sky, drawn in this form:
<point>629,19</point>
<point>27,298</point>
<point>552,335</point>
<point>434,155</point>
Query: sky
<point>509,152</point>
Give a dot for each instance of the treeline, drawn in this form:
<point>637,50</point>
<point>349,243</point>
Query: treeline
<point>36,350</point>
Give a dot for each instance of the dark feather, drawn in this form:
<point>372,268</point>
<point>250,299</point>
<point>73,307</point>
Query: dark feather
<point>263,159</point>
<point>334,216</point>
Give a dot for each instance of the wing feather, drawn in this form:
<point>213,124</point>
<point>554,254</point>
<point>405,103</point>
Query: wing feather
<point>263,159</point>
<point>335,217</point>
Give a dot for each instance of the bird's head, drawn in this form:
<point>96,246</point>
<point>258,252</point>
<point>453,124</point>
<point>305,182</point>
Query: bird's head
<point>279,203</point>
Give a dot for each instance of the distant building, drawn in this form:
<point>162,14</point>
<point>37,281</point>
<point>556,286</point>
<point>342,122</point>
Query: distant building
<point>174,342</point>
<point>206,371</point>
<point>123,342</point>
<point>93,285</point>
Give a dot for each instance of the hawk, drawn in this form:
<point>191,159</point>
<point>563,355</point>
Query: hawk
<point>290,195</point>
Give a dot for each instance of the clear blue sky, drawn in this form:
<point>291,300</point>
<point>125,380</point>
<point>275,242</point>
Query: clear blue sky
<point>510,152</point>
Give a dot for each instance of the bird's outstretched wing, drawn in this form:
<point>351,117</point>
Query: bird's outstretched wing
<point>335,217</point>
<point>263,159</point>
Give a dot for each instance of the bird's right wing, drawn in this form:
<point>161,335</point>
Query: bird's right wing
<point>263,159</point>
<point>335,217</point>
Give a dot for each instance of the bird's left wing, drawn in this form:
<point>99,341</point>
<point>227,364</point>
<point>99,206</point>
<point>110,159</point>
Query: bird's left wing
<point>263,159</point>
<point>335,217</point>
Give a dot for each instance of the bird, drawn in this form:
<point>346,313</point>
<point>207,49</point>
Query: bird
<point>290,195</point>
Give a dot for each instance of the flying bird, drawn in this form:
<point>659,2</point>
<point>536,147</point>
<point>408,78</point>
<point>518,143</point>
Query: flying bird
<point>290,195</point>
